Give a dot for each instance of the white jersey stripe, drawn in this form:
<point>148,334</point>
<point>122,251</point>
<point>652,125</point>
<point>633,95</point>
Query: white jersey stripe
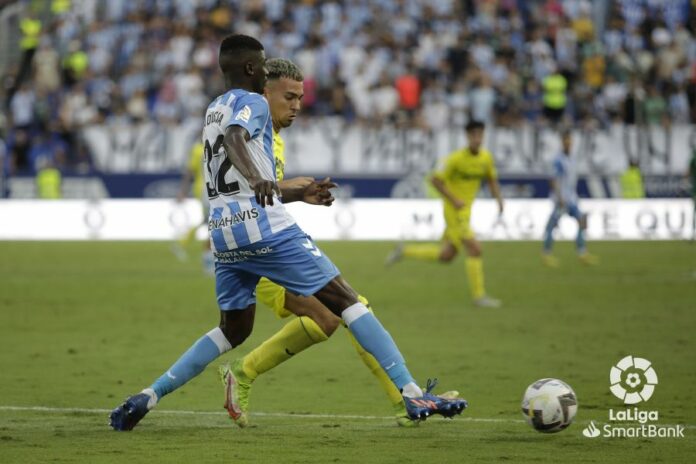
<point>252,227</point>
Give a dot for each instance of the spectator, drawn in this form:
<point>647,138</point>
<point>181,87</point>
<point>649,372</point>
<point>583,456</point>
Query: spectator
<point>655,107</point>
<point>123,58</point>
<point>555,97</point>
<point>632,182</point>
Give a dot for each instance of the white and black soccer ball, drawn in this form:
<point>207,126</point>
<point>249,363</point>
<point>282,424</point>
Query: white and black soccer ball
<point>549,405</point>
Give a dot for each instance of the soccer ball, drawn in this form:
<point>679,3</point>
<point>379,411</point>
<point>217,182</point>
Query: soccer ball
<point>549,405</point>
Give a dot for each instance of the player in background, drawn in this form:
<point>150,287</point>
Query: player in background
<point>253,236</point>
<point>284,92</point>
<point>565,200</point>
<point>458,180</point>
<point>192,182</point>
<point>692,174</point>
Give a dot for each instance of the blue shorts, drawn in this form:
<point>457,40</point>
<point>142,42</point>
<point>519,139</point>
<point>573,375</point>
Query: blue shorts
<point>572,210</point>
<point>289,258</point>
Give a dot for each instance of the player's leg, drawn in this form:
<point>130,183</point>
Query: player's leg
<point>307,271</point>
<point>234,291</point>
<point>422,252</point>
<point>315,324</point>
<point>383,379</point>
<point>547,257</point>
<point>444,252</point>
<point>474,273</point>
<point>342,300</point>
<point>580,244</point>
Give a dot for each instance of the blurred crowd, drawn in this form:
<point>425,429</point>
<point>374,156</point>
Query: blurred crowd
<point>412,63</point>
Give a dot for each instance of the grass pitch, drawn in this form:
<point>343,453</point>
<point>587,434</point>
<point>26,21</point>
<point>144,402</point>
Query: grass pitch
<point>82,325</point>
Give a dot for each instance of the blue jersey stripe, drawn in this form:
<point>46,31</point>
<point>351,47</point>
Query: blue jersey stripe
<point>239,230</point>
<point>262,221</point>
<point>216,234</point>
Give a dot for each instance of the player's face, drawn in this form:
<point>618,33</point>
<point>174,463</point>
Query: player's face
<point>285,100</point>
<point>475,138</point>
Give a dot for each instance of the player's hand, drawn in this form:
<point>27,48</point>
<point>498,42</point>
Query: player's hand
<point>319,193</point>
<point>458,204</point>
<point>263,191</point>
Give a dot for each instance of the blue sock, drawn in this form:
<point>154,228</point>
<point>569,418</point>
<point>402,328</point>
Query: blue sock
<point>548,233</point>
<point>376,340</point>
<point>192,363</point>
<point>580,241</point>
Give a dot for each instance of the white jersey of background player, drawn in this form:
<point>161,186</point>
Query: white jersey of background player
<point>565,200</point>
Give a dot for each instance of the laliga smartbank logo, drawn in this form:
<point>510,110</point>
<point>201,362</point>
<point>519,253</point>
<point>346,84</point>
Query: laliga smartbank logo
<point>633,380</point>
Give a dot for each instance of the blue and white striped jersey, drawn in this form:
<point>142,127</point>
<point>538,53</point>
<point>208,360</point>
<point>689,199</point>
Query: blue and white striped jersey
<point>236,219</point>
<point>565,174</point>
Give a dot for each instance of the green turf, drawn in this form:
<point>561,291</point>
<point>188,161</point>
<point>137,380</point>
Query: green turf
<point>82,325</point>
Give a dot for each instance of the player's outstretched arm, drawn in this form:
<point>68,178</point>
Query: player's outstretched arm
<point>307,189</point>
<point>235,143</point>
<point>494,185</point>
<point>440,186</point>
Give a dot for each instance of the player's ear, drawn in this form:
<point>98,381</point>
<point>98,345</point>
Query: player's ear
<point>249,68</point>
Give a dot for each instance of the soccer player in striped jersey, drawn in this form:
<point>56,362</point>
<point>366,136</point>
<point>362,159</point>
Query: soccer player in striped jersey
<point>458,180</point>
<point>565,200</point>
<point>284,91</point>
<point>252,236</point>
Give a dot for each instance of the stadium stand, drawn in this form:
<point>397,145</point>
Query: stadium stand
<point>74,66</point>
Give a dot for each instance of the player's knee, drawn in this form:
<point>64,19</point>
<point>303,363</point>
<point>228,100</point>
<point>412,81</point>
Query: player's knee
<point>337,295</point>
<point>328,325</point>
<point>236,334</point>
<point>237,325</point>
<point>447,256</point>
<point>583,221</point>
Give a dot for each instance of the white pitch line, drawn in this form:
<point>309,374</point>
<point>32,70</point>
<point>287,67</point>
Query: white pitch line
<point>175,412</point>
<point>216,413</point>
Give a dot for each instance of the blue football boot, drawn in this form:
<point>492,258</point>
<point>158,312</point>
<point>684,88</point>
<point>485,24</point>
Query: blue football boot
<point>127,415</point>
<point>422,407</point>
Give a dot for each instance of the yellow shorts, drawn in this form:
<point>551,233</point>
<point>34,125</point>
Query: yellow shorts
<point>273,296</point>
<point>457,226</point>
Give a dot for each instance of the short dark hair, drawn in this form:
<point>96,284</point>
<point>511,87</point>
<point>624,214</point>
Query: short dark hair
<point>473,125</point>
<point>279,68</point>
<point>238,43</point>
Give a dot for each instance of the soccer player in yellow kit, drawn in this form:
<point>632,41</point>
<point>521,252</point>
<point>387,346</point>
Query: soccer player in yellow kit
<point>458,180</point>
<point>315,323</point>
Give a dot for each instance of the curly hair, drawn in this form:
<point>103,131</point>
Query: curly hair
<point>279,68</point>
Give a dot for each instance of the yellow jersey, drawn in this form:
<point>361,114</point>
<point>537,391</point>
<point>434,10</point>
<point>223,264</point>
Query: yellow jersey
<point>463,172</point>
<point>195,167</point>
<point>279,155</point>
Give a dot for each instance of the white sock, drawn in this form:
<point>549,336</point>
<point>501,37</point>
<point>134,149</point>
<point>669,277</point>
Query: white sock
<point>411,390</point>
<point>152,402</point>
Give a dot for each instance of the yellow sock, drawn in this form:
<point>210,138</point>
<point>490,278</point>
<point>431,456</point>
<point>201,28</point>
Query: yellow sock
<point>384,381</point>
<point>427,252</point>
<point>187,239</point>
<point>474,271</point>
<point>295,336</point>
